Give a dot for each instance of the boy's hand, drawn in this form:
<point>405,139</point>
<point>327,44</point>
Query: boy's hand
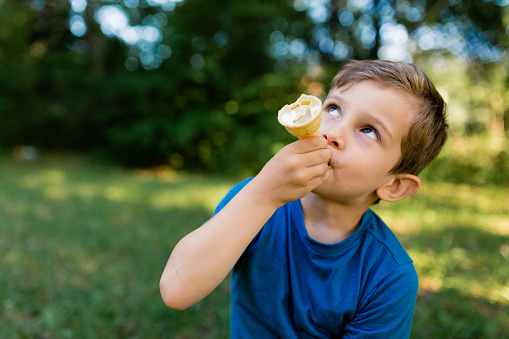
<point>295,171</point>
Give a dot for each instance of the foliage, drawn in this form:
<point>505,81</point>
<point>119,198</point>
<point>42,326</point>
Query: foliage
<point>185,116</point>
<point>83,246</point>
<point>202,93</point>
<point>477,160</point>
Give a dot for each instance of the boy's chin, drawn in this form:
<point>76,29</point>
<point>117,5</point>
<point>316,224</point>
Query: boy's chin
<point>320,188</point>
<point>323,190</point>
<point>326,191</point>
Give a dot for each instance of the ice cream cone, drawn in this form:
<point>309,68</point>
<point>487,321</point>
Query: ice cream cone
<point>303,117</point>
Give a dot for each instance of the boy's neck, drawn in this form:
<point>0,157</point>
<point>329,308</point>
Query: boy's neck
<point>328,221</point>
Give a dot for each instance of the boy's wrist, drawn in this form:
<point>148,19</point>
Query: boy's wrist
<point>262,195</point>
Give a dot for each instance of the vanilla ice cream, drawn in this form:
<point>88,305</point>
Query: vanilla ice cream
<point>303,117</point>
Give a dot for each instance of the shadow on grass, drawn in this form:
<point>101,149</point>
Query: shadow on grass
<point>476,242</point>
<point>448,313</point>
<point>463,274</point>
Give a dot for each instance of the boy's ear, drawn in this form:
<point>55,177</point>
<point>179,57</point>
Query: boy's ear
<point>398,187</point>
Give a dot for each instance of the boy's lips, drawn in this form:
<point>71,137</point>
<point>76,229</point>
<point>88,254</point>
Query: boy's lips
<point>333,164</point>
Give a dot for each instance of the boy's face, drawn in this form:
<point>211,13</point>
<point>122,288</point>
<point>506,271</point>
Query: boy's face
<point>364,126</point>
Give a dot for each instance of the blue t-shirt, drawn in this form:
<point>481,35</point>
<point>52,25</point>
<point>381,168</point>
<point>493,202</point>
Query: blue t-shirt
<point>288,285</point>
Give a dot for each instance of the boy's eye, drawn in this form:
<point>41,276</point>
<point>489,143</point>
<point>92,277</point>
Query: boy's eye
<point>371,132</point>
<point>334,111</point>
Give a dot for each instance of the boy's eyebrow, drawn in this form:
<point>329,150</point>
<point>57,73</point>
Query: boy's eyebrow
<point>382,125</point>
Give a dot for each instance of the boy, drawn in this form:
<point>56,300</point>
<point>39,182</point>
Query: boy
<point>309,258</point>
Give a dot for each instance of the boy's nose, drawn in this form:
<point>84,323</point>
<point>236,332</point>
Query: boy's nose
<point>335,141</point>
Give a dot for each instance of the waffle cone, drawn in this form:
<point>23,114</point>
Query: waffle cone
<point>303,117</point>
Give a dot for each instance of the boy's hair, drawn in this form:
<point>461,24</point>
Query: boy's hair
<point>428,129</point>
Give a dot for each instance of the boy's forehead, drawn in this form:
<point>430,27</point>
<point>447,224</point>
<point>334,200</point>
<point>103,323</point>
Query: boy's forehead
<point>403,94</point>
<point>347,85</point>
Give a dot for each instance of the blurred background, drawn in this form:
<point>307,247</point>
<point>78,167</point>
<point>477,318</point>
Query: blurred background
<point>124,122</point>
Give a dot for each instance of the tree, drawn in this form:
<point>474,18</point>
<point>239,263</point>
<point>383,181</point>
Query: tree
<point>197,86</point>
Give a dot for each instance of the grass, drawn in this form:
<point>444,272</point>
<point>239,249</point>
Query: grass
<point>83,246</point>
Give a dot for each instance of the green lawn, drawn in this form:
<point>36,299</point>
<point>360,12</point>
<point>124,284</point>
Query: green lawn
<point>83,246</point>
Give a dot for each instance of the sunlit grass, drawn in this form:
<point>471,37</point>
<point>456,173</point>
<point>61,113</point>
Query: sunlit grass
<point>83,247</point>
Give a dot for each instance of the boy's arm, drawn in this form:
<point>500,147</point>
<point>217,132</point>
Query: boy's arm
<point>203,258</point>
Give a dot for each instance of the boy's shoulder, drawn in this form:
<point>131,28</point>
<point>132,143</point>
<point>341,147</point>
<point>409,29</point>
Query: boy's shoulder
<point>377,232</point>
<point>372,226</point>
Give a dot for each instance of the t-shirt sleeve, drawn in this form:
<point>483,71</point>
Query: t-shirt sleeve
<point>388,310</point>
<point>229,196</point>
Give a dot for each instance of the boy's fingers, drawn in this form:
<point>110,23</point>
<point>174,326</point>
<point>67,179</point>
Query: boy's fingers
<point>310,144</point>
<point>318,157</point>
<point>327,174</point>
<point>320,171</point>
